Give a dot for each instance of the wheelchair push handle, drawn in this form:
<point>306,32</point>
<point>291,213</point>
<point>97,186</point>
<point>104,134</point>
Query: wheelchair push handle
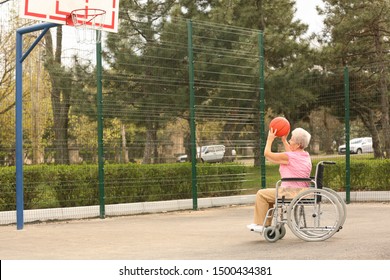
<point>327,162</point>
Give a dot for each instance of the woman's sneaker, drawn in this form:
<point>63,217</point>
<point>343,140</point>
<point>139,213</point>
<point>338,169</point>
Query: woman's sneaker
<point>255,228</point>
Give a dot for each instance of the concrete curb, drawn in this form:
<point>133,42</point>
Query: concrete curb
<point>40,215</point>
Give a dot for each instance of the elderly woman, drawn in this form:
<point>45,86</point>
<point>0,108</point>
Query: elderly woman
<point>295,162</point>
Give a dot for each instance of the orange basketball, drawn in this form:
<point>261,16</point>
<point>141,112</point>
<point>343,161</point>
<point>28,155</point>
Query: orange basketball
<point>282,126</point>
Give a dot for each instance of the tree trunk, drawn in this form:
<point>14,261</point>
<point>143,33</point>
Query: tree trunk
<point>35,133</point>
<point>368,117</point>
<point>60,105</point>
<point>383,88</point>
<point>148,151</point>
<point>257,140</point>
<point>327,142</point>
<point>60,97</point>
<point>125,155</point>
<point>385,111</point>
<point>156,157</point>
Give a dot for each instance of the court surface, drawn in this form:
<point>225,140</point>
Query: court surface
<point>207,234</point>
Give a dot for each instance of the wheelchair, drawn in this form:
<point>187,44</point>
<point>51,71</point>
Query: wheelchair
<point>315,214</point>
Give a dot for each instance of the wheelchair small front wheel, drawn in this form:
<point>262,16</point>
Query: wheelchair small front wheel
<point>271,234</point>
<point>282,231</point>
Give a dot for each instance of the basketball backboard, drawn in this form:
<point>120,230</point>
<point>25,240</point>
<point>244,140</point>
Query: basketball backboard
<point>58,11</point>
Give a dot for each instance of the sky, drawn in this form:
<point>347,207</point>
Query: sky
<point>307,13</point>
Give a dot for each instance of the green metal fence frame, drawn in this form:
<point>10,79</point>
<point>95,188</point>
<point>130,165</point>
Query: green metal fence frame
<point>347,136</point>
<point>191,85</point>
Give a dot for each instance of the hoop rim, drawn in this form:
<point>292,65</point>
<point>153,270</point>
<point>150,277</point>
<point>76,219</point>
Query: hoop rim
<point>101,11</point>
<point>76,13</point>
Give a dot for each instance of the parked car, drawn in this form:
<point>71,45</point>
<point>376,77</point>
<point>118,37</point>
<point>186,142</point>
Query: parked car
<point>185,158</point>
<point>358,146</point>
<point>210,153</point>
<point>182,158</point>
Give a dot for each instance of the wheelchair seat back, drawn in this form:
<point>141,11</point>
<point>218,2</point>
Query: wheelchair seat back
<point>318,179</point>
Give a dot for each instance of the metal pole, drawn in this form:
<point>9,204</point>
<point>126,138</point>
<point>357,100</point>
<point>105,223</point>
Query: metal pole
<point>347,131</point>
<point>262,111</point>
<point>192,116</point>
<point>19,112</point>
<point>19,133</point>
<point>100,125</point>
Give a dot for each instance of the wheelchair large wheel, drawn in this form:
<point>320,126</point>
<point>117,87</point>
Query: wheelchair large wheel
<point>342,203</point>
<point>314,215</point>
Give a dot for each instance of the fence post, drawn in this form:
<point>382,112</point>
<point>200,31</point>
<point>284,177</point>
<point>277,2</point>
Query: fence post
<point>19,132</point>
<point>347,151</point>
<point>262,111</point>
<point>192,116</point>
<point>100,127</point>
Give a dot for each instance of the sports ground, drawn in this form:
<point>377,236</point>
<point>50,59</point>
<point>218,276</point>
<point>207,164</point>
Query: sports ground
<point>218,233</point>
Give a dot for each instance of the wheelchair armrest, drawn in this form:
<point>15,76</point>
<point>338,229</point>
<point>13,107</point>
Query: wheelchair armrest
<point>296,179</point>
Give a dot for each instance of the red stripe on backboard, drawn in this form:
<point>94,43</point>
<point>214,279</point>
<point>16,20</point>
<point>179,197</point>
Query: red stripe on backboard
<point>27,13</point>
<point>35,15</point>
<point>112,22</point>
<point>58,11</point>
<point>58,17</point>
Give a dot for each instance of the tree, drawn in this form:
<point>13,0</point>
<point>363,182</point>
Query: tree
<point>356,34</point>
<point>286,56</point>
<point>61,89</point>
<point>143,54</point>
<point>140,50</point>
<point>35,88</point>
<point>7,92</point>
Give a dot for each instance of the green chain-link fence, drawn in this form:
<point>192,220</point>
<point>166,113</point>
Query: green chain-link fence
<point>166,93</point>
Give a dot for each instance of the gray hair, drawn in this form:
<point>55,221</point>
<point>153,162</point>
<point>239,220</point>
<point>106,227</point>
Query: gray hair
<point>301,137</point>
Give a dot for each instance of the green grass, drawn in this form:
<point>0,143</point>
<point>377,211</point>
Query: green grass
<point>253,178</point>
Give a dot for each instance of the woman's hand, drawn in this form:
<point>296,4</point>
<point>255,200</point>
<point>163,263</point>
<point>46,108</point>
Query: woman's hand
<point>280,158</point>
<point>271,135</point>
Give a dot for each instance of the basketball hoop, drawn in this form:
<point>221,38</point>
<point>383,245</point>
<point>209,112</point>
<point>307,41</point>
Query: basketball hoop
<point>88,24</point>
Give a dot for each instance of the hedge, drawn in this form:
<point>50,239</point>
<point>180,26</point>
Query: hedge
<point>47,186</point>
<point>365,175</point>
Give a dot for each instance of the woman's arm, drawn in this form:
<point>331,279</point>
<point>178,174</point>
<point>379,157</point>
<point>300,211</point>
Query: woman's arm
<point>280,158</point>
<point>286,144</point>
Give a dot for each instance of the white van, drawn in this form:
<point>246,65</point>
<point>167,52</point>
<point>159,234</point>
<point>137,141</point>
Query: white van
<point>212,153</point>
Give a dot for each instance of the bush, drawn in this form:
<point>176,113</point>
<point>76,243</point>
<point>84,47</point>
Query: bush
<point>47,186</point>
<point>365,175</point>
